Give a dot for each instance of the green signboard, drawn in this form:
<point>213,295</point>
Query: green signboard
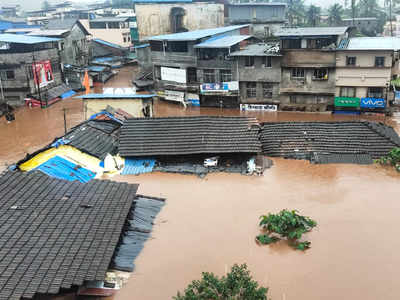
<point>347,101</point>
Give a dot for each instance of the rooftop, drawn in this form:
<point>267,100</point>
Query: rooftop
<point>57,234</point>
<point>195,35</point>
<point>112,19</point>
<point>49,32</point>
<point>189,135</point>
<point>299,139</point>
<point>259,50</point>
<point>310,31</point>
<point>360,19</point>
<point>162,1</point>
<point>25,39</point>
<point>259,4</point>
<point>222,41</point>
<point>116,96</point>
<point>373,43</point>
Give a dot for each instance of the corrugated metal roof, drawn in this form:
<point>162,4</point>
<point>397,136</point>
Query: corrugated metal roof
<point>103,42</point>
<point>194,35</point>
<point>258,50</point>
<point>360,19</point>
<point>19,30</point>
<point>113,96</point>
<point>50,32</point>
<point>138,166</point>
<point>311,31</point>
<point>61,168</point>
<point>114,19</point>
<point>373,43</point>
<point>223,42</point>
<point>25,39</point>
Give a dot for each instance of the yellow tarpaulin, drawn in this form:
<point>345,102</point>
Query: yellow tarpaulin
<point>68,152</point>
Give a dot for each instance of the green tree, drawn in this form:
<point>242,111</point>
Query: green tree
<point>237,284</point>
<point>368,8</point>
<point>335,13</point>
<point>313,15</point>
<point>296,12</point>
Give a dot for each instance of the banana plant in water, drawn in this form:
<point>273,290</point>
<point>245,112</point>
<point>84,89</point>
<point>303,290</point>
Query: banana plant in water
<point>286,224</point>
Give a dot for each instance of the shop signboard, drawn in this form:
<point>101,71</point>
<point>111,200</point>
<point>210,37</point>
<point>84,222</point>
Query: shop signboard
<point>42,73</point>
<point>219,87</point>
<point>172,74</point>
<point>347,101</point>
<point>174,95</point>
<point>262,107</point>
<point>373,103</point>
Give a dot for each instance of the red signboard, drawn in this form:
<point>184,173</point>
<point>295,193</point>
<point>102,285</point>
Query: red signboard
<point>42,73</point>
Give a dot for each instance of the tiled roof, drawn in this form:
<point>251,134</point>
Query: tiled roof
<point>97,138</point>
<point>56,234</point>
<point>189,135</point>
<point>300,139</point>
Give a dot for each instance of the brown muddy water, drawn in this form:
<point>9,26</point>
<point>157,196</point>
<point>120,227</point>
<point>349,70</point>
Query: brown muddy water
<point>209,224</point>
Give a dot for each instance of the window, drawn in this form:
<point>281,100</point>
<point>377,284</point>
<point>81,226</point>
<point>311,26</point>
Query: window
<point>192,75</point>
<point>350,61</point>
<point>157,72</point>
<point>209,76</point>
<point>298,73</point>
<point>267,61</point>
<point>294,99</point>
<point>97,25</point>
<point>124,39</point>
<point>29,71</point>
<point>291,44</point>
<point>346,91</point>
<point>320,74</point>
<point>7,75</point>
<point>267,89</point>
<point>375,92</point>
<point>113,25</point>
<point>379,61</point>
<point>249,61</point>
<point>177,46</point>
<point>251,90</point>
<point>226,75</point>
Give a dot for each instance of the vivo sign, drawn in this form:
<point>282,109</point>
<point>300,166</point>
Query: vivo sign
<point>373,103</point>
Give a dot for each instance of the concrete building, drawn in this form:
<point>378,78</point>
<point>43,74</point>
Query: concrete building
<point>367,26</point>
<point>265,18</point>
<point>308,67</point>
<point>29,66</point>
<point>258,70</point>
<point>184,62</point>
<point>74,43</point>
<point>116,30</point>
<point>176,16</point>
<point>364,69</point>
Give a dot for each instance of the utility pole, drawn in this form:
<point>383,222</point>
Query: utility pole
<point>390,16</point>
<point>36,77</point>
<point>65,121</point>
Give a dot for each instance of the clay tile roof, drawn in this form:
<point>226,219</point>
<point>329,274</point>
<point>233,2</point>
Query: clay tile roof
<point>189,135</point>
<point>56,234</point>
<point>299,139</point>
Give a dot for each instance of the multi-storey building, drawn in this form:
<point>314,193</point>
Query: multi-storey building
<point>308,66</point>
<point>265,18</point>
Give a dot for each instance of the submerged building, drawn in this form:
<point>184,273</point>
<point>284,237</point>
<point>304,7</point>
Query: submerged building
<point>30,67</point>
<point>308,66</point>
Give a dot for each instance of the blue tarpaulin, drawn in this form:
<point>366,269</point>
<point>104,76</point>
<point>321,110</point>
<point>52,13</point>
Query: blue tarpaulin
<point>61,168</point>
<point>138,166</point>
<point>68,94</point>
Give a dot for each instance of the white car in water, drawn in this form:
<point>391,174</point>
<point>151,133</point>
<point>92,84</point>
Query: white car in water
<point>211,162</point>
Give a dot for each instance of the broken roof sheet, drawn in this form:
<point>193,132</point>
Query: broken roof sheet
<point>189,135</point>
<point>25,39</point>
<point>259,50</point>
<point>223,41</point>
<point>57,234</point>
<point>373,43</point>
<point>299,139</point>
<point>310,31</point>
<point>195,35</point>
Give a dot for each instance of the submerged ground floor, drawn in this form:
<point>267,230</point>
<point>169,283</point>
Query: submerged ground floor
<point>209,224</point>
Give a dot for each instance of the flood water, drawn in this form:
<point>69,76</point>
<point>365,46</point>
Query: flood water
<point>209,224</point>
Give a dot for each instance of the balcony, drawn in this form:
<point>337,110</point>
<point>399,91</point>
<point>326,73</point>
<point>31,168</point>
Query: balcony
<point>215,64</point>
<point>304,58</point>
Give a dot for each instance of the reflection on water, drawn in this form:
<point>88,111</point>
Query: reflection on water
<point>209,224</point>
